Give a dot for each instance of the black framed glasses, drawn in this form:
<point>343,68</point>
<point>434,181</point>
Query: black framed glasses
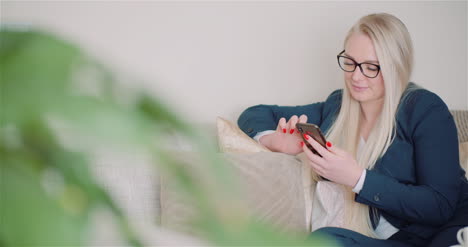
<point>348,64</point>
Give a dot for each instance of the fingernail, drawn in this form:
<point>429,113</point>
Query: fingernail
<point>291,131</point>
<point>284,130</point>
<point>302,144</point>
<point>329,144</point>
<point>306,137</point>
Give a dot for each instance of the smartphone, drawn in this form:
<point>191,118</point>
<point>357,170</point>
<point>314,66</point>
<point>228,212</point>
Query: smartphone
<point>313,131</point>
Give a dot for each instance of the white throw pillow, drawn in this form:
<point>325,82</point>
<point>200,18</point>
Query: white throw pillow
<point>328,205</point>
<point>231,139</point>
<point>269,185</point>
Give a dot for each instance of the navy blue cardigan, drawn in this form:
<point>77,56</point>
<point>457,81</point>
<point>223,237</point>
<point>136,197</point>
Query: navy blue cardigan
<point>416,184</point>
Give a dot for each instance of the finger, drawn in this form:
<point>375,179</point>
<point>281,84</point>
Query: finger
<point>303,119</point>
<point>311,156</point>
<point>319,148</point>
<point>335,149</point>
<point>292,124</point>
<point>317,168</point>
<point>282,125</point>
<point>314,161</point>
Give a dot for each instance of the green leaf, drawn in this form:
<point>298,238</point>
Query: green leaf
<point>31,217</point>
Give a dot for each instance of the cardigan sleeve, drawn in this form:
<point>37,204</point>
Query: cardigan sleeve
<point>266,117</point>
<point>432,198</point>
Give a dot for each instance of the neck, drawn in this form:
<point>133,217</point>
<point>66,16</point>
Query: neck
<point>371,110</point>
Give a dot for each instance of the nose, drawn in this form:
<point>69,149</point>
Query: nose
<point>357,74</point>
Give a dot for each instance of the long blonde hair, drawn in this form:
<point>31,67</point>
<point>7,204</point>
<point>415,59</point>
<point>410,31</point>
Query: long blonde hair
<point>394,52</point>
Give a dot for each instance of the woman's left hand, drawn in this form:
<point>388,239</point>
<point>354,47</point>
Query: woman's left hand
<point>335,164</point>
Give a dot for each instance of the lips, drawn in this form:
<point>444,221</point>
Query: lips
<point>359,89</point>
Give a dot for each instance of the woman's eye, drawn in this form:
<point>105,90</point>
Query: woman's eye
<point>372,68</point>
<point>349,64</point>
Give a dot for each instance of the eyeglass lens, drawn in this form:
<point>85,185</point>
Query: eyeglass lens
<point>349,65</point>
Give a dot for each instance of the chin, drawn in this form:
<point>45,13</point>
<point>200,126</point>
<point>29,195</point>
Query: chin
<point>361,96</point>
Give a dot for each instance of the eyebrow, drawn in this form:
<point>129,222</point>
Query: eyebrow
<point>367,61</point>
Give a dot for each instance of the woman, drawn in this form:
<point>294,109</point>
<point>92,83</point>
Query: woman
<point>391,144</point>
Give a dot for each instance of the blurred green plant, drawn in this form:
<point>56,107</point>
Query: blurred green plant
<point>47,192</point>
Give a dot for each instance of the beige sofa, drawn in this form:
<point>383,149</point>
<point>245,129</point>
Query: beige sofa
<point>278,188</point>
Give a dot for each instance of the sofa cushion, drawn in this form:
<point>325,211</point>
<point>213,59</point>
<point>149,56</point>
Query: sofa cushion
<point>461,120</point>
<point>232,139</point>
<point>463,148</point>
<point>132,181</point>
<point>269,183</point>
<point>328,205</point>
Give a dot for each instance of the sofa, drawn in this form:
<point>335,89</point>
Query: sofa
<point>277,188</point>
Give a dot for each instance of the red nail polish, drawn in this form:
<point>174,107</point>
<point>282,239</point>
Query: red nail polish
<point>302,144</point>
<point>329,144</point>
<point>306,137</point>
<point>291,131</point>
<point>284,130</point>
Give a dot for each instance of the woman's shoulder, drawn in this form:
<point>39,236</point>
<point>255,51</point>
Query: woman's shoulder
<point>333,101</point>
<point>335,97</point>
<point>417,102</point>
<point>418,98</point>
<point>331,106</point>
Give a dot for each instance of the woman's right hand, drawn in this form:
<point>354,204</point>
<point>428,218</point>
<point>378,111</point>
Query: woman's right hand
<point>286,138</point>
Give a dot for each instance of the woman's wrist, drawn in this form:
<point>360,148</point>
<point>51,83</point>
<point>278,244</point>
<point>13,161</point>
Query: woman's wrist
<point>360,182</point>
<point>266,141</point>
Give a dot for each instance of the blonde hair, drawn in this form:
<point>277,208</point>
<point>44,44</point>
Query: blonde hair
<point>394,52</point>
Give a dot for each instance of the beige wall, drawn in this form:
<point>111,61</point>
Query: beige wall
<point>217,58</point>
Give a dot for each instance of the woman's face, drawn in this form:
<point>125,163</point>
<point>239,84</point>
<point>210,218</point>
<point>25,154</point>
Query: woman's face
<point>363,89</point>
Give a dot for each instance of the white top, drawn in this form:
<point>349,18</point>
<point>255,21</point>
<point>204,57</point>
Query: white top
<point>384,229</point>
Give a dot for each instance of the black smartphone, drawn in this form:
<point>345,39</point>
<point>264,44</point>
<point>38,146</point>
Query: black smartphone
<point>313,131</point>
